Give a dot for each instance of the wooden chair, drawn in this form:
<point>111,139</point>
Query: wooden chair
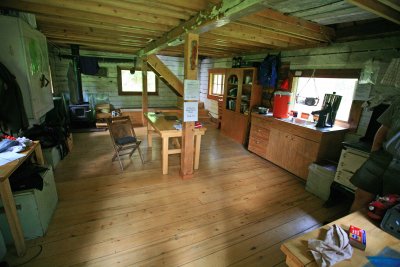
<point>123,138</point>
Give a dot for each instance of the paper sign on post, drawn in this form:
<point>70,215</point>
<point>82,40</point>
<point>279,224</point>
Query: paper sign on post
<point>191,90</point>
<point>190,111</point>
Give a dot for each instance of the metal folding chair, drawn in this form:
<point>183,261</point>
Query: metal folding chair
<point>123,138</point>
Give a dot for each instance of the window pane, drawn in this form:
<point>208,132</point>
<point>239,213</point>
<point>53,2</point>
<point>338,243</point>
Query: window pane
<point>133,82</point>
<point>318,87</point>
<point>217,84</point>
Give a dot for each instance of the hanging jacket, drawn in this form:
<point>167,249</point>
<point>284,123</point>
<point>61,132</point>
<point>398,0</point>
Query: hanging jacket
<point>12,110</point>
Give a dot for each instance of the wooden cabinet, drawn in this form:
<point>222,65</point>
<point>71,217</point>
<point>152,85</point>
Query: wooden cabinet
<point>350,161</point>
<point>24,53</point>
<point>241,94</point>
<point>293,147</point>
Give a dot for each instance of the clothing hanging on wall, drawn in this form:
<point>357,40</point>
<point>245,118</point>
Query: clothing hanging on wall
<point>12,109</point>
<point>89,65</point>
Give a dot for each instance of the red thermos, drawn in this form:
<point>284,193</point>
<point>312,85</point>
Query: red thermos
<point>281,104</point>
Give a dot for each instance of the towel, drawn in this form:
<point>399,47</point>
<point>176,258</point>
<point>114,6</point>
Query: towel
<point>334,248</point>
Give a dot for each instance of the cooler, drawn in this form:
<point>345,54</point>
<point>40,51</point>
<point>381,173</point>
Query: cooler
<point>281,104</point>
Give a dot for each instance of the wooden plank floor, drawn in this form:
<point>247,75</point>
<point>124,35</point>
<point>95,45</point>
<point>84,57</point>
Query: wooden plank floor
<point>235,211</point>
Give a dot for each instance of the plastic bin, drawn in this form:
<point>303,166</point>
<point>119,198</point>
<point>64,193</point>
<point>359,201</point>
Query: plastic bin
<point>320,178</point>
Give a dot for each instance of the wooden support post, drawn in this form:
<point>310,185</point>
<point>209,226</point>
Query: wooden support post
<point>187,155</point>
<point>145,102</point>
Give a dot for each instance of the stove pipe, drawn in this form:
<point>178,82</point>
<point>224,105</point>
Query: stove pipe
<point>77,67</point>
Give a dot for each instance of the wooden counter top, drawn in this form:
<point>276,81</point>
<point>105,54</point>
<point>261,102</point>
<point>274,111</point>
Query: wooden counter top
<point>300,123</point>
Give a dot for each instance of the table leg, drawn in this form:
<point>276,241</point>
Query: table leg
<point>12,217</point>
<point>197,140</point>
<point>149,135</point>
<point>165,141</point>
<point>39,154</point>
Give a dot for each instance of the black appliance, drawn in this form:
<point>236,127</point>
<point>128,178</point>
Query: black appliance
<point>81,115</point>
<point>327,115</point>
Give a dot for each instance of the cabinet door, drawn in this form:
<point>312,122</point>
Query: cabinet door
<point>246,92</point>
<point>276,147</point>
<point>300,153</point>
<point>232,88</point>
<point>291,152</point>
<point>234,125</point>
<point>37,61</point>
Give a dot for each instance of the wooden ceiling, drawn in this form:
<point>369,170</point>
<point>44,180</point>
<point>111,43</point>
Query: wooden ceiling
<point>226,28</point>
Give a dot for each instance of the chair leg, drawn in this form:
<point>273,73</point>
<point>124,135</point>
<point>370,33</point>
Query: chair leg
<point>120,163</point>
<point>140,154</point>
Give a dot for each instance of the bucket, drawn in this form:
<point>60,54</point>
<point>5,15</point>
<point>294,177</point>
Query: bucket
<point>281,104</point>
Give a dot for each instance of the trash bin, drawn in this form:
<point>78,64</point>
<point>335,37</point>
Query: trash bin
<point>320,178</point>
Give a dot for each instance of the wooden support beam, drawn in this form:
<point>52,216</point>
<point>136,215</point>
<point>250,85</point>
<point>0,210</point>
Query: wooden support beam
<point>379,9</point>
<point>209,19</point>
<point>191,57</point>
<point>395,4</point>
<point>162,71</point>
<point>145,102</point>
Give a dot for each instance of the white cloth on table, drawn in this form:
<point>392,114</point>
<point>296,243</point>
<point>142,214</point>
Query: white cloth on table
<point>334,248</point>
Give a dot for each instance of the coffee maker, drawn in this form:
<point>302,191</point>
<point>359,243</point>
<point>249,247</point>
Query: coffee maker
<point>327,115</point>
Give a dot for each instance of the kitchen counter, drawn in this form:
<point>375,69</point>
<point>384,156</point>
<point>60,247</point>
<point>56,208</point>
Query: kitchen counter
<point>301,123</point>
<point>294,144</point>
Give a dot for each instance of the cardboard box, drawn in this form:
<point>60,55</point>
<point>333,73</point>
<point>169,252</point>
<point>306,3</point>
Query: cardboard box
<point>357,237</point>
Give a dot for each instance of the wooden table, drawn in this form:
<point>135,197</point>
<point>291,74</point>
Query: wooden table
<point>165,128</point>
<point>297,253</point>
<point>8,198</point>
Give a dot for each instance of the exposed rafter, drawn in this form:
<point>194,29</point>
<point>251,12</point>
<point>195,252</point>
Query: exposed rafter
<point>380,8</point>
<point>211,18</point>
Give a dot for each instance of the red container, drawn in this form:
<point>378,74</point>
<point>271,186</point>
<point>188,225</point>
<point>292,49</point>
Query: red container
<point>281,104</point>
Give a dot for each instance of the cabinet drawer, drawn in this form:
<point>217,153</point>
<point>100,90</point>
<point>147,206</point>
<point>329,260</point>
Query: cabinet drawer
<point>263,123</point>
<point>259,132</point>
<point>352,162</point>
<point>343,177</point>
<point>258,146</point>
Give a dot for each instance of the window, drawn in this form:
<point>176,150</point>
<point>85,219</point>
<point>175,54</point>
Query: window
<point>316,88</point>
<point>216,79</point>
<point>131,84</point>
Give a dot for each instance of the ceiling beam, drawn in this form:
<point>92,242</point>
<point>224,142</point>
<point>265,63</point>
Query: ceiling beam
<point>38,8</point>
<point>395,4</point>
<point>379,9</point>
<point>211,18</point>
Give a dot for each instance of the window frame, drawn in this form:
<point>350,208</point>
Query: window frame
<point>213,72</point>
<point>355,109</point>
<point>119,79</point>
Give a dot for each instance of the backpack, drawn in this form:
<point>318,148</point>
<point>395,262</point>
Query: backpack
<point>268,70</point>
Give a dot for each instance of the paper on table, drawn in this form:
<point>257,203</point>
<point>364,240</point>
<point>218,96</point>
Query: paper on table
<point>7,157</point>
